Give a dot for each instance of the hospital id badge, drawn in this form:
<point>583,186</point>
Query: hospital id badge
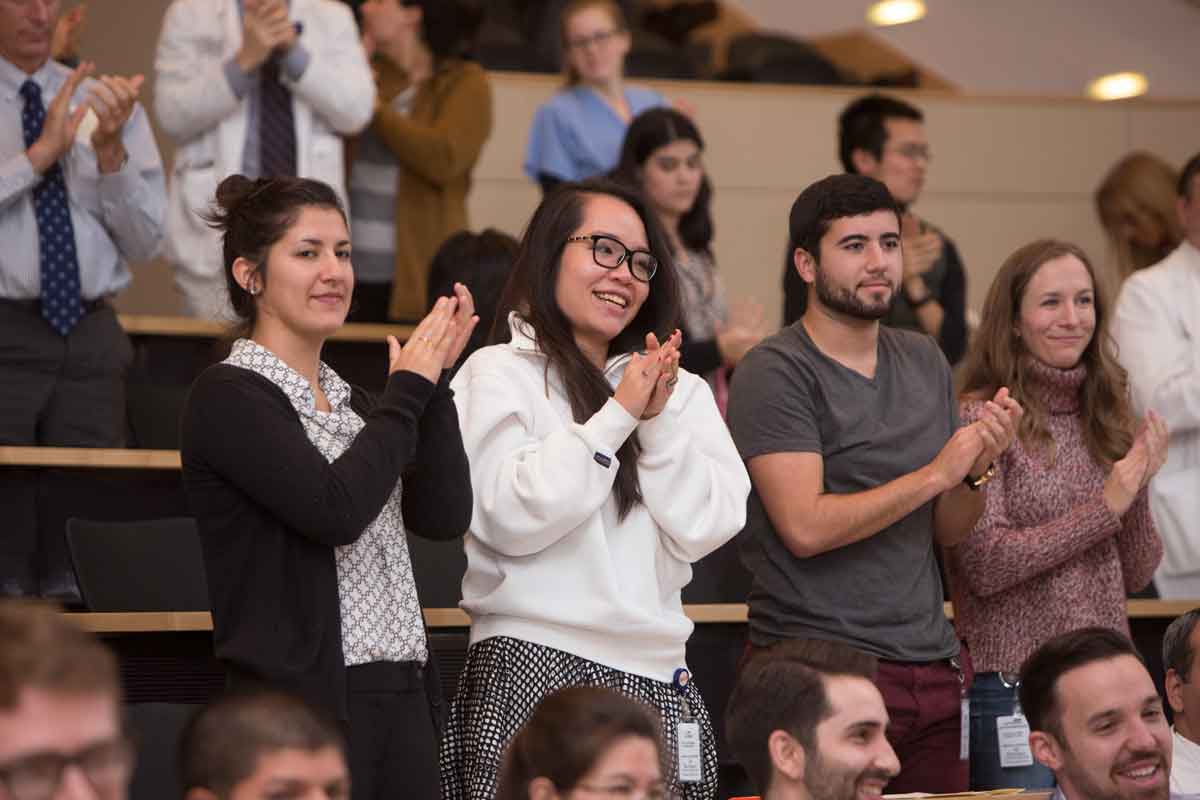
<point>1013,735</point>
<point>691,765</point>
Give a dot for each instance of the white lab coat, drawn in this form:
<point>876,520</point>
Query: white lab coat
<point>196,106</point>
<point>1157,330</point>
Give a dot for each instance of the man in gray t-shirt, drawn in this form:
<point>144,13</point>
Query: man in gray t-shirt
<point>850,434</point>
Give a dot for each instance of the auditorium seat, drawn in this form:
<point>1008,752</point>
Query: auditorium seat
<point>156,728</point>
<point>774,58</point>
<point>149,565</point>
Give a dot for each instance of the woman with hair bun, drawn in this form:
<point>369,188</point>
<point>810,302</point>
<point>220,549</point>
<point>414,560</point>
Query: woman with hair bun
<point>586,741</point>
<point>303,486</point>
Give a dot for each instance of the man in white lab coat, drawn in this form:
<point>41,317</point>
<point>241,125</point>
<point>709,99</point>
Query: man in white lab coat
<point>260,87</point>
<point>1157,328</point>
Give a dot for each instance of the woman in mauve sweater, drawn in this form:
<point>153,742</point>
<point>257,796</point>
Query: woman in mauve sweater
<point>303,487</point>
<point>1066,532</point>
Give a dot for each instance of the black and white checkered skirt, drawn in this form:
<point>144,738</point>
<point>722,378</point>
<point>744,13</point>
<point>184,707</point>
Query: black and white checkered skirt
<point>503,681</point>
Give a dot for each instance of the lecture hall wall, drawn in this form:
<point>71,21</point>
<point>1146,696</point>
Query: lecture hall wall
<point>1006,170</point>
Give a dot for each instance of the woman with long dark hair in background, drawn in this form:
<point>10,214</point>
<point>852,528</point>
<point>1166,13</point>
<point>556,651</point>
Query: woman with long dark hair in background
<point>662,157</point>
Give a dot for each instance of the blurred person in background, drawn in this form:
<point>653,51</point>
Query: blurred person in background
<point>482,261</point>
<point>662,157</point>
<point>1136,206</point>
<point>411,169</point>
<point>1157,326</point>
<point>577,133</point>
<point>262,88</point>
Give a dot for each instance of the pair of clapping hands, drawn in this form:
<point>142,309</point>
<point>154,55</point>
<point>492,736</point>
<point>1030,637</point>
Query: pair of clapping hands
<point>111,97</point>
<point>650,377</point>
<point>439,339</point>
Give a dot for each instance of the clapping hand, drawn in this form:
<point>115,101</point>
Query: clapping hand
<point>465,320</point>
<point>426,350</point>
<point>649,377</point>
<point>997,427</point>
<point>668,375</point>
<point>1131,474</point>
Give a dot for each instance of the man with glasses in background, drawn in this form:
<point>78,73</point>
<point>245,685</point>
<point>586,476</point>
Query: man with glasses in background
<point>884,138</point>
<point>60,710</point>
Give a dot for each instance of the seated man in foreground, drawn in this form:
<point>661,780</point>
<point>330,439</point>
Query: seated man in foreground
<point>1096,719</point>
<point>61,736</point>
<point>806,721</point>
<point>262,744</point>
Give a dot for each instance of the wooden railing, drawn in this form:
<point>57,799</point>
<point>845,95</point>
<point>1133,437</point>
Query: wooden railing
<point>707,614</point>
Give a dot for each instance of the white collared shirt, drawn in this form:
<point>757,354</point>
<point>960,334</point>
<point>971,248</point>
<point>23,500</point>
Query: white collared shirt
<point>1185,764</point>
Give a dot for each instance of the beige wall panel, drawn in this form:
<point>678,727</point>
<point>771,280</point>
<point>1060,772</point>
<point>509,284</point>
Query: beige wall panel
<point>1036,147</point>
<point>1172,133</point>
<point>752,235</point>
<point>504,204</point>
<point>988,229</point>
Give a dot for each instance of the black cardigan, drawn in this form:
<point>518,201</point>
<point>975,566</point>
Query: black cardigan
<point>271,509</point>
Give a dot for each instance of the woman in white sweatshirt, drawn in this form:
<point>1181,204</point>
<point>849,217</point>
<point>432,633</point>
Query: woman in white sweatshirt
<point>601,472</point>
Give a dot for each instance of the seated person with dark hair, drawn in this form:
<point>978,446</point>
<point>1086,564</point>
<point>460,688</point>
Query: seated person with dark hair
<point>256,745</point>
<point>884,138</point>
<point>806,721</point>
<point>1182,682</point>
<point>481,261</point>
<point>1096,719</point>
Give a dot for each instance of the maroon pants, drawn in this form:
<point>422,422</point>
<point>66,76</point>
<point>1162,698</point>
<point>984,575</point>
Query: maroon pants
<point>924,701</point>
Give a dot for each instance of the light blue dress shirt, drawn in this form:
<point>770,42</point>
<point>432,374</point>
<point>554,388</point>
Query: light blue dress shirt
<point>577,135</point>
<point>118,218</point>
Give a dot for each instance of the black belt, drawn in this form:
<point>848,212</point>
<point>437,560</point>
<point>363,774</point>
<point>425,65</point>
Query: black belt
<point>35,306</point>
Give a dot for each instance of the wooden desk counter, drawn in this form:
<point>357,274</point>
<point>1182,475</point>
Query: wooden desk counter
<point>89,458</point>
<point>714,613</point>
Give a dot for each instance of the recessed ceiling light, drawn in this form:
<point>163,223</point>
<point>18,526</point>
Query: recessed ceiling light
<point>1117,86</point>
<point>895,12</point>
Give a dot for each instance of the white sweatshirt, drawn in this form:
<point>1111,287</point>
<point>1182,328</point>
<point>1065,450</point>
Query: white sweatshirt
<point>547,559</point>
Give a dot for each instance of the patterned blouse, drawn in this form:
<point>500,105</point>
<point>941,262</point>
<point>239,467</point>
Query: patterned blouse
<point>380,611</point>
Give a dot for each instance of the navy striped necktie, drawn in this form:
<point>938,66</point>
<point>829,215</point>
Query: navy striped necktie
<point>276,125</point>
<point>62,301</point>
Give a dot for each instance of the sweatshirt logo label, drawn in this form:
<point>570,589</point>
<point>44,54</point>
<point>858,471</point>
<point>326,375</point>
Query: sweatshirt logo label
<point>602,460</point>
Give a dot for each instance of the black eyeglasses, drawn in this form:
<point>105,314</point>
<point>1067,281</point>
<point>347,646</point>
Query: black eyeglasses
<point>599,38</point>
<point>107,766</point>
<point>611,253</point>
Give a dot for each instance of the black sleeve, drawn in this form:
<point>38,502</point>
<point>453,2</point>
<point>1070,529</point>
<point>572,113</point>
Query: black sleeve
<point>241,427</point>
<point>953,336</point>
<point>548,181</point>
<point>699,356</point>
<point>437,500</point>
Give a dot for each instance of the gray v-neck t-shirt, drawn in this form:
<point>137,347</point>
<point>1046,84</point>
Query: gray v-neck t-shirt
<point>882,594</point>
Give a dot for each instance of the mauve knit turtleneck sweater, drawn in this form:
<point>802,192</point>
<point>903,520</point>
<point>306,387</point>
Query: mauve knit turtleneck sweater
<point>1047,556</point>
